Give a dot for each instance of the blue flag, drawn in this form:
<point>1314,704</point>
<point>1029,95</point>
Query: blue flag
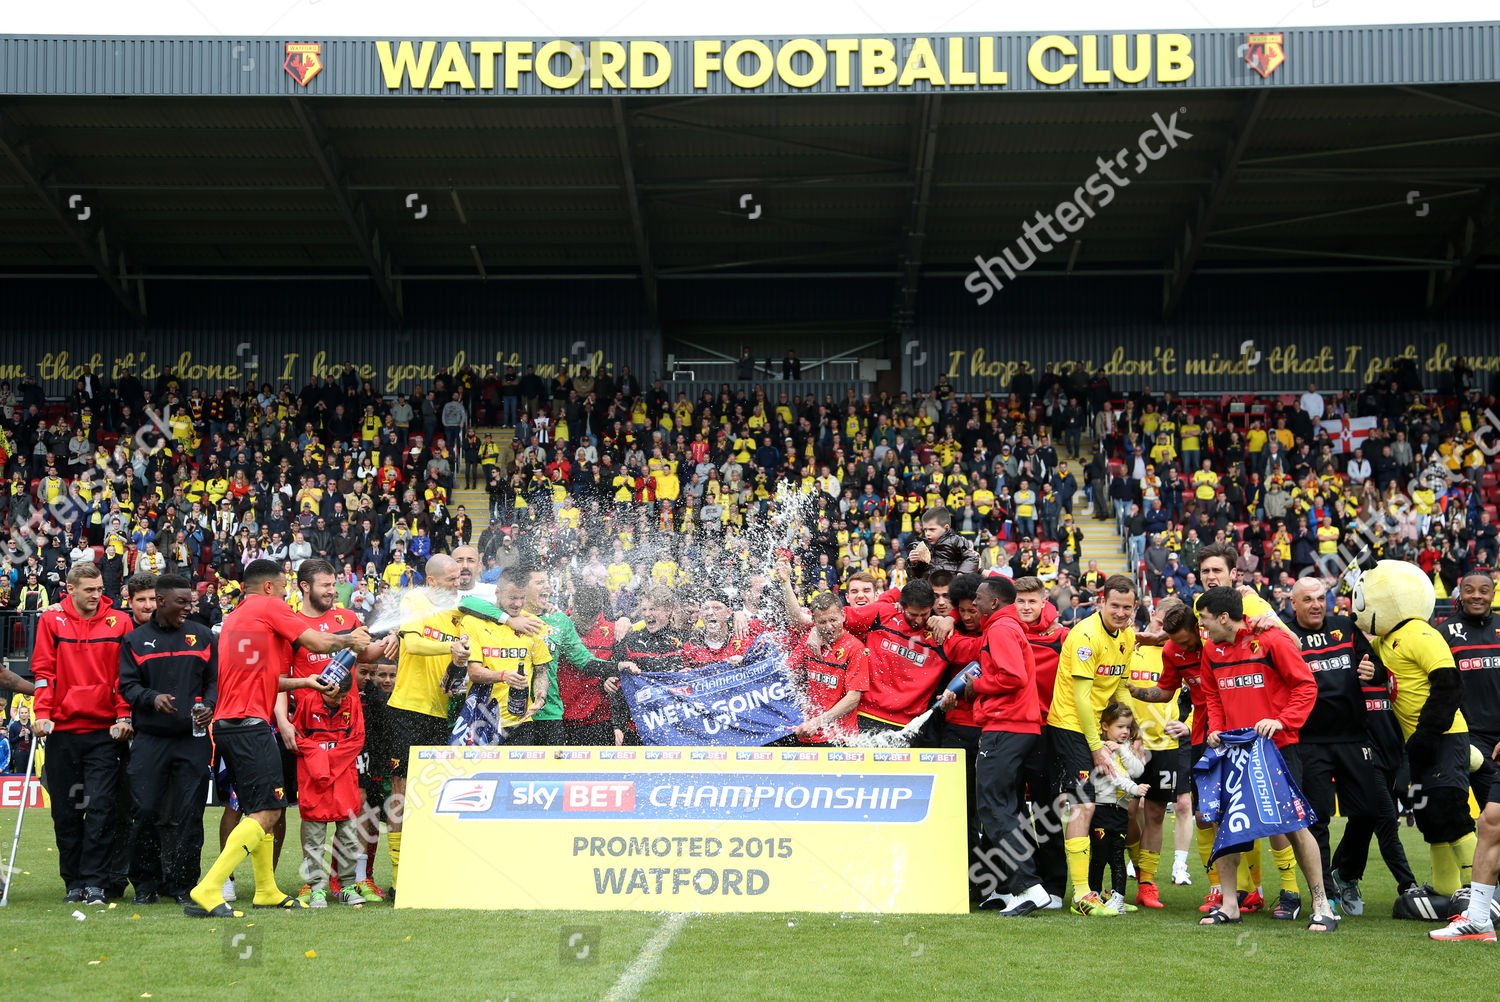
<point>478,721</point>
<point>1244,788</point>
<point>751,703</point>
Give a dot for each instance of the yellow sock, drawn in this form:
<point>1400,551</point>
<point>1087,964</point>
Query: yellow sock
<point>1463,851</point>
<point>1133,851</point>
<point>1255,860</point>
<point>1146,868</point>
<point>1243,880</point>
<point>393,845</point>
<point>1286,867</point>
<point>263,858</point>
<point>1078,864</point>
<point>241,843</point>
<point>1205,852</point>
<point>1444,868</point>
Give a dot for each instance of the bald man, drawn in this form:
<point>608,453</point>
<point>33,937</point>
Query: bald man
<point>418,707</point>
<point>1336,747</point>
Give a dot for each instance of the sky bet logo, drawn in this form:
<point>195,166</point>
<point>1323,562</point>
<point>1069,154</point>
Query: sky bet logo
<point>572,795</point>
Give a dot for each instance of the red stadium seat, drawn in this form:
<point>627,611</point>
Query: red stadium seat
<point>1492,495</point>
<point>1239,529</point>
<point>1047,546</point>
<point>1488,479</point>
<point>202,587</point>
<point>1492,511</point>
<point>1010,548</point>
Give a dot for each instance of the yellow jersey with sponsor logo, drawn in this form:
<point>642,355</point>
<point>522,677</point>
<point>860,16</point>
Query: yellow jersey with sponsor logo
<point>500,648</point>
<point>1143,672</point>
<point>426,636</point>
<point>1092,651</point>
<point>1410,653</point>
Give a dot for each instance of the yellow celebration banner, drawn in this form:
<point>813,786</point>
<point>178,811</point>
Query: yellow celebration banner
<point>685,829</point>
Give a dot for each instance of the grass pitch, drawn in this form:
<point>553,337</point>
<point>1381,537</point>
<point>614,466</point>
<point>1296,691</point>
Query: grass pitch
<point>379,953</point>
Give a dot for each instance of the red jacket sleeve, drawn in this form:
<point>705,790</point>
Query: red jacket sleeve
<point>961,648</point>
<point>858,620</point>
<point>1210,687</point>
<point>1005,663</point>
<point>1302,688</point>
<point>44,668</point>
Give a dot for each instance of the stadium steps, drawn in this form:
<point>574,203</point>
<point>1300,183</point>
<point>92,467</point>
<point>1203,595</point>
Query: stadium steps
<point>477,502</point>
<point>1100,542</point>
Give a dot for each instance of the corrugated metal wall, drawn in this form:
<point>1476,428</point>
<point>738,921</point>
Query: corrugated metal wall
<point>211,331</point>
<point>1316,57</point>
<point>1328,330</point>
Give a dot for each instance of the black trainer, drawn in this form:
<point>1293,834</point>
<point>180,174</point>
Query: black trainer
<point>94,896</point>
<point>146,898</point>
<point>75,897</point>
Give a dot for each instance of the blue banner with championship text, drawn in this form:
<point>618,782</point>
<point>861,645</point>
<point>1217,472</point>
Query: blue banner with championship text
<point>1244,788</point>
<point>675,796</point>
<point>751,703</point>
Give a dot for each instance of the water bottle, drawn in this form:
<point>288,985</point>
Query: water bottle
<point>519,699</point>
<point>339,668</point>
<point>199,730</point>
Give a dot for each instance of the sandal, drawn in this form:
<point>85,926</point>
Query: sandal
<point>1218,917</point>
<point>1324,923</point>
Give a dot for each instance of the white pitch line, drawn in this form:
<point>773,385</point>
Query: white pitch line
<point>639,971</point>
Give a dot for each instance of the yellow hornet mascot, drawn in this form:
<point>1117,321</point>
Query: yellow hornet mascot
<point>1393,602</point>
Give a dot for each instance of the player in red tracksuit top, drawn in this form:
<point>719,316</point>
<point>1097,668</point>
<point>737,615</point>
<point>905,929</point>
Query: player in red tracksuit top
<point>76,662</point>
<point>1038,617</point>
<point>1259,680</point>
<point>834,674</point>
<point>906,658</point>
<point>1010,717</point>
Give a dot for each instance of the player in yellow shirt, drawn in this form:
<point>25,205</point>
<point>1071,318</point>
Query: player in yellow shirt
<point>418,704</point>
<point>1091,673</point>
<point>1168,769</point>
<point>498,655</point>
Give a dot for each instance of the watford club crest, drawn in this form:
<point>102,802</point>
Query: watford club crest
<point>1337,635</point>
<point>281,793</point>
<point>1255,646</point>
<point>110,621</point>
<point>192,639</point>
<point>304,60</point>
<point>1264,53</point>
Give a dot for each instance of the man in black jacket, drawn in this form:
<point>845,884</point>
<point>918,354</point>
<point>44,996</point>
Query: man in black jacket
<point>167,666</point>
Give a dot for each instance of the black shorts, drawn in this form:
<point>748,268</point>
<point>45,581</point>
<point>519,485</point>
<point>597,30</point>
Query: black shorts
<point>250,751</point>
<point>1450,768</point>
<point>288,770</point>
<point>1195,755</point>
<point>600,732</point>
<point>1346,768</point>
<point>1072,764</point>
<point>409,729</point>
<point>1168,774</point>
<point>1292,756</point>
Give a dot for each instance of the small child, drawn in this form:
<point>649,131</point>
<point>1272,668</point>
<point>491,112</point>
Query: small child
<point>376,682</point>
<point>330,737</point>
<point>1112,797</point>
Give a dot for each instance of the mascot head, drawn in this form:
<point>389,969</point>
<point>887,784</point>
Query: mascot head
<point>1390,593</point>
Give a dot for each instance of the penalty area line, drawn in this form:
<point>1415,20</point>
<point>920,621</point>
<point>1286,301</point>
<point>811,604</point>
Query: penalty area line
<point>640,969</point>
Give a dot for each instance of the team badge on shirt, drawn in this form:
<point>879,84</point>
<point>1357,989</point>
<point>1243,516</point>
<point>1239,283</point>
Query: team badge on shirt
<point>1085,653</point>
<point>281,793</point>
<point>109,621</point>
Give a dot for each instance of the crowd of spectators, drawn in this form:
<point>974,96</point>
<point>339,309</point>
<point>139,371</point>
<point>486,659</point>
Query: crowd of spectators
<point>176,478</point>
